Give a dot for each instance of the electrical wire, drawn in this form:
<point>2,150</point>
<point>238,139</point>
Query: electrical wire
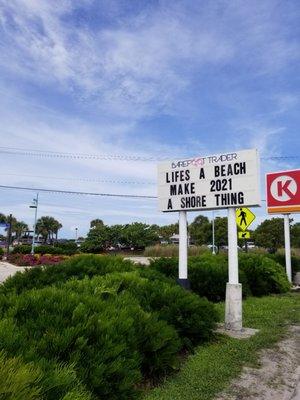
<point>83,179</point>
<point>103,157</point>
<point>132,196</point>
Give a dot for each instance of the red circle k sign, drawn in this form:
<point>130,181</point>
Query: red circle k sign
<point>283,192</point>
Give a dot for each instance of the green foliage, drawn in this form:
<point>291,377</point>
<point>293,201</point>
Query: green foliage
<point>98,238</point>
<point>221,231</point>
<point>76,267</point>
<point>166,231</point>
<point>280,258</point>
<point>295,235</point>
<point>68,248</point>
<point>1,252</point>
<point>200,230</point>
<point>47,227</point>
<point>208,274</point>
<point>171,250</point>
<point>21,249</point>
<point>270,234</point>
<point>18,381</point>
<point>192,317</point>
<point>101,237</point>
<point>264,275</point>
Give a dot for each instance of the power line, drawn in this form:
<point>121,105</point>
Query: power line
<point>132,196</point>
<point>103,157</point>
<point>82,179</point>
<point>52,154</point>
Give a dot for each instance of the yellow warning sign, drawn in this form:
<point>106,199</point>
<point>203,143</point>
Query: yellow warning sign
<point>244,235</point>
<point>244,218</point>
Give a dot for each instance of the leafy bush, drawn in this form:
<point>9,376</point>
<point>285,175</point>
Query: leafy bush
<point>208,274</point>
<point>193,318</point>
<point>77,267</point>
<point>68,249</point>
<point>264,275</point>
<point>280,258</point>
<point>171,250</point>
<point>18,381</point>
<point>21,249</point>
<point>104,341</point>
<point>1,252</point>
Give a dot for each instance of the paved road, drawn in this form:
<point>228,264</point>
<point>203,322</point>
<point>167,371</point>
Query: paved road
<point>7,270</point>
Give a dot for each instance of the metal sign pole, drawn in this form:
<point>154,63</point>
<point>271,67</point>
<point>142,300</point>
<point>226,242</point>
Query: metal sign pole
<point>183,251</point>
<point>233,303</point>
<point>287,244</point>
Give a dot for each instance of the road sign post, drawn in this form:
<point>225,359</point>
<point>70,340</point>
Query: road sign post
<point>233,303</point>
<point>183,251</point>
<point>287,245</point>
<point>222,181</point>
<point>283,197</point>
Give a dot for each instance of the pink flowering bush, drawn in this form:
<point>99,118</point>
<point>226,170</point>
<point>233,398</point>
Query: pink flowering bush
<point>29,260</point>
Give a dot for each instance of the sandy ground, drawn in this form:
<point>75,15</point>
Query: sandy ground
<point>7,270</point>
<point>278,378</point>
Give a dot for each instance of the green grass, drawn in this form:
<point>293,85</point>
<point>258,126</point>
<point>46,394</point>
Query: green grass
<point>214,365</point>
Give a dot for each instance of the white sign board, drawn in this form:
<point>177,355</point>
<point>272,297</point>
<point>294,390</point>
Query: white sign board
<point>206,183</point>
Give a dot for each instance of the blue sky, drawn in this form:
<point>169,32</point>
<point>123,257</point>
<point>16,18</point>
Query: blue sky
<point>140,78</point>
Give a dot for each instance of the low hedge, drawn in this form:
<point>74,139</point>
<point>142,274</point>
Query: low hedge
<point>208,274</point>
<point>74,267</point>
<point>264,275</point>
<point>99,337</point>
<point>57,249</point>
<point>193,317</point>
<point>280,258</point>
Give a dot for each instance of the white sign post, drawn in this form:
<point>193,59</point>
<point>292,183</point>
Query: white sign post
<point>221,181</point>
<point>287,244</point>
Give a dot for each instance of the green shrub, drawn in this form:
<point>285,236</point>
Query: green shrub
<point>171,250</point>
<point>208,274</point>
<point>264,275</point>
<point>193,318</point>
<point>105,341</point>
<point>1,252</point>
<point>68,249</point>
<point>18,381</point>
<point>21,249</point>
<point>77,267</point>
<point>280,258</point>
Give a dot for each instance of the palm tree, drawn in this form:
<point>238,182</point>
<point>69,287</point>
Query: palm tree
<point>46,227</point>
<point>18,228</point>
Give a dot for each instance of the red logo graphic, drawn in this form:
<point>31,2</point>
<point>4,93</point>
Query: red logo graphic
<point>283,192</point>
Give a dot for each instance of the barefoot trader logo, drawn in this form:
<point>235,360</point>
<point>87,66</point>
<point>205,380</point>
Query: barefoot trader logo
<point>204,183</point>
<point>199,161</point>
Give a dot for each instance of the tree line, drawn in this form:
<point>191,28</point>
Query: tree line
<point>268,234</point>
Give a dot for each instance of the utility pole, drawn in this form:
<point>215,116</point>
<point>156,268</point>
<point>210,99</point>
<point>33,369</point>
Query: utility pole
<point>213,233</point>
<point>35,206</point>
<point>8,234</point>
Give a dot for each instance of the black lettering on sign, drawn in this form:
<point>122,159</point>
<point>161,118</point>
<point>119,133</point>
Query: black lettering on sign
<point>170,207</point>
<point>173,190</point>
<point>219,185</point>
<point>182,188</point>
<point>202,174</point>
<point>230,169</point>
<point>229,199</point>
<point>178,176</point>
<point>193,202</point>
